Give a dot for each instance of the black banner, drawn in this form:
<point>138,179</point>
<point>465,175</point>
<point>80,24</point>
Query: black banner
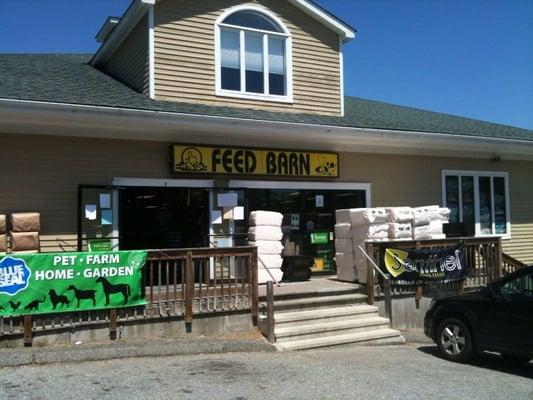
<point>419,266</point>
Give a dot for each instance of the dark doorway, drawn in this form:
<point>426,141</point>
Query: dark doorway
<point>163,218</point>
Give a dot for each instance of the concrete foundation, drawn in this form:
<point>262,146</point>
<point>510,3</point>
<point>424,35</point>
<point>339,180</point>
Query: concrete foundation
<point>212,325</point>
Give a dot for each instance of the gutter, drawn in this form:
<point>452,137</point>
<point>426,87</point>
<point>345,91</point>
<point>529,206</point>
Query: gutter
<point>59,119</point>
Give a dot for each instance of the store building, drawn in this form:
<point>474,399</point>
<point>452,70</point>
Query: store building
<point>193,113</point>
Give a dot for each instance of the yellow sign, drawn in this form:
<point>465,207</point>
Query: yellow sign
<point>394,261</point>
<point>240,161</point>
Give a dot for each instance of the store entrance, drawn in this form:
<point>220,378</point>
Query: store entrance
<point>159,218</point>
<point>309,219</point>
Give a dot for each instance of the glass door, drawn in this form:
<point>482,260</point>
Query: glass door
<point>98,218</point>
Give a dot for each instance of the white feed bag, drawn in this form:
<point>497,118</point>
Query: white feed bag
<point>420,217</point>
<point>372,231</point>
<point>400,231</point>
<point>343,231</point>
<point>344,260</point>
<point>342,216</point>
<point>269,261</point>
<point>442,214</point>
<point>347,274</point>
<point>399,214</point>
<point>264,232</point>
<point>365,216</point>
<point>263,275</point>
<point>268,247</point>
<point>268,218</point>
<point>436,227</point>
<point>343,246</point>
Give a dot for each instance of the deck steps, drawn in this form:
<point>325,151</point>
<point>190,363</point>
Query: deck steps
<point>327,318</point>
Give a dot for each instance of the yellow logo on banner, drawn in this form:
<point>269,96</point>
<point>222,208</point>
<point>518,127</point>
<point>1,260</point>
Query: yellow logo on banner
<point>395,261</point>
<point>237,161</point>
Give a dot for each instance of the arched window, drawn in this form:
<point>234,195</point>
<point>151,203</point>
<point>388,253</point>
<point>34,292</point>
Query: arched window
<point>253,55</point>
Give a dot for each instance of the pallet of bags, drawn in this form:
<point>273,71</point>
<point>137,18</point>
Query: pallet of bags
<point>265,233</point>
<point>3,233</point>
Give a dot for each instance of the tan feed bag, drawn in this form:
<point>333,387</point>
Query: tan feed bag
<point>3,221</point>
<point>24,241</point>
<point>26,222</point>
<point>3,243</point>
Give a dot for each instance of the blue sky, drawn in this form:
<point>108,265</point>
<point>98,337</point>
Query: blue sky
<point>466,57</point>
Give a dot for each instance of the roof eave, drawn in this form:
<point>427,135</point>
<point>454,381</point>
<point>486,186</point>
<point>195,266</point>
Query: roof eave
<point>30,117</point>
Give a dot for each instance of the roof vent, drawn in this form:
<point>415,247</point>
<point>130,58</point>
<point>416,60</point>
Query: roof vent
<point>107,28</point>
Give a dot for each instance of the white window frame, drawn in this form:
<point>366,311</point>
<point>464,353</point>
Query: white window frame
<point>242,94</point>
<point>476,175</point>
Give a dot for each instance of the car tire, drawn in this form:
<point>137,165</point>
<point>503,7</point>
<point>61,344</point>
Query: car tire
<point>454,340</point>
<point>515,360</point>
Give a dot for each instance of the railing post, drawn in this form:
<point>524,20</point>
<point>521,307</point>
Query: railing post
<point>388,298</point>
<point>189,291</point>
<point>270,312</point>
<point>499,251</point>
<point>255,288</point>
<point>113,324</point>
<point>28,338</point>
<point>369,283</point>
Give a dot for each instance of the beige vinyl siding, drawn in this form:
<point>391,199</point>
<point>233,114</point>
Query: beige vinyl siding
<point>185,57</point>
<point>46,180</point>
<point>130,62</point>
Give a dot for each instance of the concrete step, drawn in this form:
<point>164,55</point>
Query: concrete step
<point>327,329</point>
<point>287,319</point>
<point>312,303</point>
<point>380,336</point>
<point>327,291</point>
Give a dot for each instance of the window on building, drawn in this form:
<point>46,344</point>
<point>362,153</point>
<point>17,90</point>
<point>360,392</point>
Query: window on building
<point>479,200</point>
<point>253,56</point>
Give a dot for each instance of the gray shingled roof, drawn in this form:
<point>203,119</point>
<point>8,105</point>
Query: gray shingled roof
<point>69,79</point>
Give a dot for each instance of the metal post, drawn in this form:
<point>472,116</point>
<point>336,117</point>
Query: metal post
<point>270,312</point>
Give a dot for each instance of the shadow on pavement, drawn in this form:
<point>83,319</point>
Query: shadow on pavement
<point>489,361</point>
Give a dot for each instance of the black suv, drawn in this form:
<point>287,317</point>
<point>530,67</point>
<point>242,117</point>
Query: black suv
<point>498,318</point>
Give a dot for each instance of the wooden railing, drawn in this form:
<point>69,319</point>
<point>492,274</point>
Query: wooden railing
<point>510,264</point>
<point>484,255</point>
<point>178,283</point>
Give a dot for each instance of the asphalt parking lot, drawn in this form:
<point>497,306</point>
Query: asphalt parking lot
<point>411,371</point>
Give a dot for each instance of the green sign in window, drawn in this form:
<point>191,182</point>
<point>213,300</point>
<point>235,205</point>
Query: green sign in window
<point>320,238</point>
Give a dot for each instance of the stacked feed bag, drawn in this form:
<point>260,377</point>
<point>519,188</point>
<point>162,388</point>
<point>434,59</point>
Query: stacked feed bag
<point>428,222</point>
<point>344,255</point>
<point>24,235</point>
<point>399,219</point>
<point>3,236</point>
<point>369,224</point>
<point>265,233</point>
<point>355,227</point>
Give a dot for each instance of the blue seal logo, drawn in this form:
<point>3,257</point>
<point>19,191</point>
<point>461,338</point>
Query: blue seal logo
<point>14,275</point>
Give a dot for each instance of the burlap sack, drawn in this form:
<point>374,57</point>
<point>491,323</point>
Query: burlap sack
<point>26,222</point>
<point>3,243</point>
<point>24,241</point>
<point>3,221</point>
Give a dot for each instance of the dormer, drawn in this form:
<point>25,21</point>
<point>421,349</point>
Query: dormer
<point>276,55</point>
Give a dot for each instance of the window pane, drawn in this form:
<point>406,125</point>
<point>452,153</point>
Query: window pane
<point>452,197</point>
<point>485,205</point>
<point>254,64</point>
<point>467,194</point>
<point>500,210</point>
<point>230,60</point>
<point>252,19</point>
<point>276,65</point>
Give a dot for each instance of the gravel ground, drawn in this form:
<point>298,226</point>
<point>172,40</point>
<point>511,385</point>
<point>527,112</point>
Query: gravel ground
<point>390,372</point>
